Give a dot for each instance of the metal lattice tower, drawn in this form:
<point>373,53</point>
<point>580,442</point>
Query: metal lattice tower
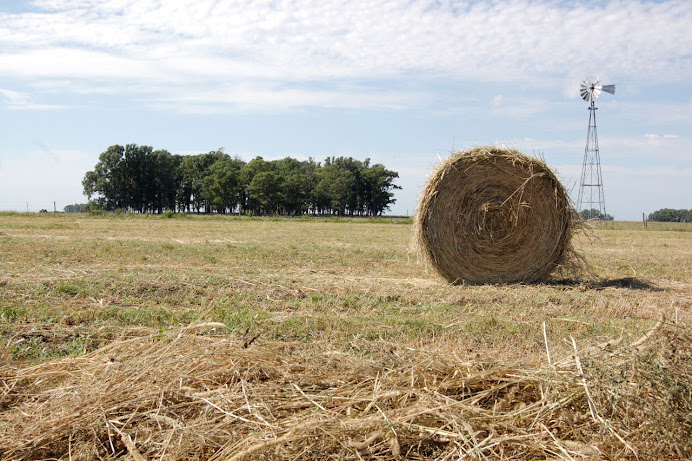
<point>591,195</point>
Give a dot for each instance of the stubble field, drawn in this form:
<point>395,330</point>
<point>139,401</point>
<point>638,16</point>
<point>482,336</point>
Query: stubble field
<point>238,338</point>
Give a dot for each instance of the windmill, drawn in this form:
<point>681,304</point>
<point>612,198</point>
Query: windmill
<point>591,185</point>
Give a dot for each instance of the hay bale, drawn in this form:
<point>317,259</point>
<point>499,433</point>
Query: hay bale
<point>494,215</point>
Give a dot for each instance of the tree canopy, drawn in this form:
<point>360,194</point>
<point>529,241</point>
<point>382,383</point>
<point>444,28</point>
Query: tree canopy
<point>671,215</point>
<point>76,208</point>
<point>145,180</point>
<point>595,214</point>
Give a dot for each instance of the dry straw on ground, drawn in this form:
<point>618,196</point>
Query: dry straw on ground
<point>494,215</point>
<point>190,396</point>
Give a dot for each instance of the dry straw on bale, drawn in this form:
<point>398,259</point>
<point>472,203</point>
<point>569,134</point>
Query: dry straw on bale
<point>494,215</point>
<point>191,397</point>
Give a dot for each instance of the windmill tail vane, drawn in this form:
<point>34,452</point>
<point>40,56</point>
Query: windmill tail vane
<point>591,88</point>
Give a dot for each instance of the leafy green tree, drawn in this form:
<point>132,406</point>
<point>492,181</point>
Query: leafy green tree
<point>221,185</point>
<point>248,202</point>
<point>161,176</point>
<point>192,194</point>
<point>108,181</point>
<point>322,195</point>
<point>671,215</point>
<point>352,186</point>
<point>145,180</point>
<point>293,194</point>
<point>309,173</point>
<point>190,186</point>
<point>264,192</point>
<point>595,214</point>
<point>138,177</point>
<point>378,186</point>
<point>333,191</point>
<point>348,186</point>
<point>76,208</point>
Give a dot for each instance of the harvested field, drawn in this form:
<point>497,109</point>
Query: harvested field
<point>227,338</point>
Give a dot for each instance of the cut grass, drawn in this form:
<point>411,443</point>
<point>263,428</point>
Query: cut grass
<point>336,335</point>
<point>323,280</point>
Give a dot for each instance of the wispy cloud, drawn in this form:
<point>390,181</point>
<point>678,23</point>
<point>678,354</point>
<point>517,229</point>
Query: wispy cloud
<point>22,101</point>
<point>157,48</point>
<point>14,98</point>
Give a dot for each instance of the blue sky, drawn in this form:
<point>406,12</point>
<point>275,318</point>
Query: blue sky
<point>400,82</point>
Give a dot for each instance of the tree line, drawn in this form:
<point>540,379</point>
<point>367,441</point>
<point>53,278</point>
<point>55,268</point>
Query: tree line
<point>144,180</point>
<point>671,215</point>
<point>595,214</point>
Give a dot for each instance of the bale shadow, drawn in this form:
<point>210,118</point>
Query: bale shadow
<point>630,283</point>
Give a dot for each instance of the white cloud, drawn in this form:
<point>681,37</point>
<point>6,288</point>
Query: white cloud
<point>659,148</point>
<point>14,98</point>
<point>154,46</point>
<point>74,63</point>
<point>651,112</point>
<point>658,139</point>
<point>664,149</point>
<point>497,101</point>
<point>267,96</point>
<point>22,101</point>
<point>518,106</point>
<point>658,171</point>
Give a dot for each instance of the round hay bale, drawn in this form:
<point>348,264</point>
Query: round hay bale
<point>494,215</point>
